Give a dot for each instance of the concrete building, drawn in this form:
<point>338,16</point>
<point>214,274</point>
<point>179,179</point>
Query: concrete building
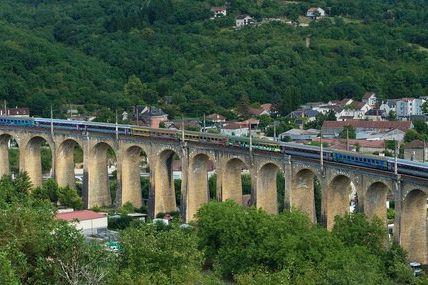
<point>407,107</point>
<point>89,222</point>
<point>416,150</point>
<point>244,20</point>
<point>333,128</point>
<point>299,135</point>
<point>235,129</point>
<point>150,116</point>
<point>15,112</point>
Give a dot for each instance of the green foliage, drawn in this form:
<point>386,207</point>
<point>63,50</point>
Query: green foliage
<point>68,197</point>
<point>7,274</point>
<point>357,230</point>
<point>126,208</point>
<point>319,120</point>
<point>105,54</point>
<point>348,132</point>
<point>48,191</point>
<point>160,255</point>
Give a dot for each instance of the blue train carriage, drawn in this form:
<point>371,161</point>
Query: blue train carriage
<point>409,167</point>
<point>354,158</point>
<point>19,122</point>
<point>308,151</point>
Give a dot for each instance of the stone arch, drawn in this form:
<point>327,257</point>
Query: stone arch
<point>375,200</point>
<point>32,158</point>
<point>98,179</point>
<point>164,192</point>
<point>131,181</point>
<point>232,180</point>
<point>5,140</point>
<point>65,164</point>
<point>266,191</point>
<point>413,225</point>
<point>338,198</point>
<point>303,192</point>
<point>197,190</point>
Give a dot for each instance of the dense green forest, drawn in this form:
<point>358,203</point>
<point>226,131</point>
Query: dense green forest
<point>227,244</point>
<point>83,52</point>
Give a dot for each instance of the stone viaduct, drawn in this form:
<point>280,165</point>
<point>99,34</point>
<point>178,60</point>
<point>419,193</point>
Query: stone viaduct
<point>338,181</point>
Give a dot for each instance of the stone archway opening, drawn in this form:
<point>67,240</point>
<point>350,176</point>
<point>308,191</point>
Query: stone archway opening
<point>201,184</point>
<point>413,225</point>
<point>102,176</point>
<point>270,197</point>
<point>69,165</point>
<point>237,182</point>
<point>38,160</point>
<point>9,152</point>
<point>168,174</point>
<point>341,198</point>
<point>306,194</point>
<point>379,202</point>
<point>135,178</point>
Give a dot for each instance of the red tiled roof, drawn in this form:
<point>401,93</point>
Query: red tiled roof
<point>234,126</point>
<point>401,125</point>
<point>215,117</point>
<point>83,215</point>
<point>367,95</point>
<point>415,144</point>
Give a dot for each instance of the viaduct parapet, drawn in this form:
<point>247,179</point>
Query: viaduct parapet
<point>340,184</point>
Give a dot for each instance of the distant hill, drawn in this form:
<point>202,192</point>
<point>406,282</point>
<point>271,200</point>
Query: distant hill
<point>83,51</point>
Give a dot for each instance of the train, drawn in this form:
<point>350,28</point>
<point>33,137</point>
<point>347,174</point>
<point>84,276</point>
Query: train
<point>406,167</point>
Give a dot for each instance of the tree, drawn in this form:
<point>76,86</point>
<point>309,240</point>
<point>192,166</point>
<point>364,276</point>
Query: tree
<point>48,191</point>
<point>68,197</point>
<point>134,89</point>
<point>77,261</point>
<point>160,255</point>
<point>243,105</point>
<point>348,132</point>
<point>7,274</point>
<point>425,108</point>
<point>264,121</point>
<point>411,135</point>
<point>392,115</point>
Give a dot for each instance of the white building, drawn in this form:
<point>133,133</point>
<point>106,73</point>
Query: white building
<point>315,12</point>
<point>407,107</point>
<point>234,129</point>
<point>89,222</point>
<point>299,135</point>
<point>370,99</point>
<point>219,11</point>
<point>244,20</point>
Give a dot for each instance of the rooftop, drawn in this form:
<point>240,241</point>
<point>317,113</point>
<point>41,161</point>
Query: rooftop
<point>401,125</point>
<point>82,215</point>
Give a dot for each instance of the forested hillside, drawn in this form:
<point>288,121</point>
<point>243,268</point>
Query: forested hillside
<point>84,51</point>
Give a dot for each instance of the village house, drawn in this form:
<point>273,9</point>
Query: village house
<point>307,115</point>
<point>188,124</point>
<point>370,99</point>
<point>299,135</point>
<point>416,150</point>
<point>216,118</point>
<point>235,129</point>
<point>15,112</point>
<point>375,115</point>
<point>88,222</point>
<point>354,110</point>
<point>388,105</point>
<point>315,12</point>
<point>333,128</point>
<point>150,116</point>
<point>219,11</point>
<point>244,20</point>
<point>264,109</point>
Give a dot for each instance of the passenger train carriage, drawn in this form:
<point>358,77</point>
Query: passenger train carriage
<point>313,152</point>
